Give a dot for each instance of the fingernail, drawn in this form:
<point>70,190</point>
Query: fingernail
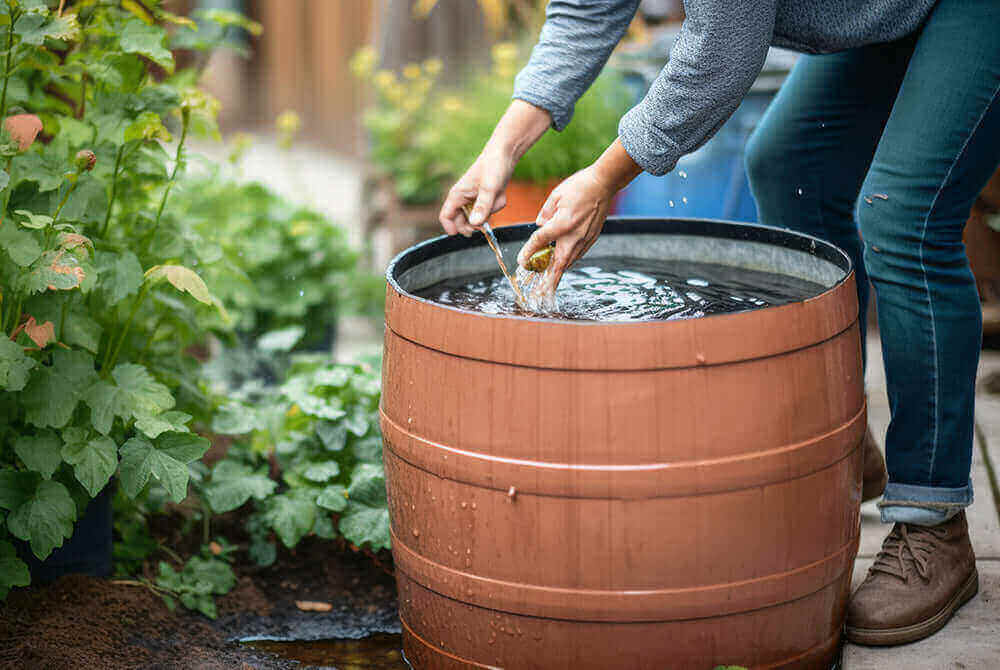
<point>476,218</point>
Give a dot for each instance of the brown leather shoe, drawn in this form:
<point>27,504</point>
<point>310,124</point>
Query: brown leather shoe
<point>920,578</point>
<point>875,476</point>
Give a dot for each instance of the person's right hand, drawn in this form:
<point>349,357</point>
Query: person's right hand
<point>484,184</point>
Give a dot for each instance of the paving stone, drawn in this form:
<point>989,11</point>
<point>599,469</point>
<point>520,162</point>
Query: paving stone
<point>971,640</point>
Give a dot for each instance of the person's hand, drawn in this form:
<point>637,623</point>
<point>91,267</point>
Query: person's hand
<point>572,217</point>
<point>574,213</point>
<point>484,184</point>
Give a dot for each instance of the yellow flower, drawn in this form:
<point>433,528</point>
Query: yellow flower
<point>300,228</point>
<point>504,53</point>
<point>363,62</point>
<point>411,71</point>
<point>451,104</point>
<point>395,93</point>
<point>288,125</point>
<point>411,104</point>
<point>384,79</point>
<point>432,66</point>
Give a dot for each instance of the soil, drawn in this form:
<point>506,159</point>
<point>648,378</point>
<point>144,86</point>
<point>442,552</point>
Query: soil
<point>93,623</point>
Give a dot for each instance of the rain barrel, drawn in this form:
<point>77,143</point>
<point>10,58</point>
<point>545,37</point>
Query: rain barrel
<point>608,495</point>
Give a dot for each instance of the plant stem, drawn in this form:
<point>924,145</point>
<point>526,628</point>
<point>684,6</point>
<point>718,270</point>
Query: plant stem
<point>178,160</point>
<point>114,191</point>
<point>112,355</point>
<point>171,553</point>
<point>206,523</point>
<point>6,69</point>
<point>62,315</point>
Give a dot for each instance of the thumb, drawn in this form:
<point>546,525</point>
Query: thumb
<point>540,239</point>
<point>483,207</point>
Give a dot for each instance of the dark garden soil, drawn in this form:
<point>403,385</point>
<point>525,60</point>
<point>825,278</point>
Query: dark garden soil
<point>89,623</point>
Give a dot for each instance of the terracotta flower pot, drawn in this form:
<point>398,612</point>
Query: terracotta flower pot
<point>524,199</point>
<point>645,495</point>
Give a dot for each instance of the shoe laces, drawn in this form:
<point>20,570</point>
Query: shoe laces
<point>908,546</point>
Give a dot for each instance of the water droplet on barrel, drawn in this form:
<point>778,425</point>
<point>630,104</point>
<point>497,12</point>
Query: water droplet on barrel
<point>416,533</point>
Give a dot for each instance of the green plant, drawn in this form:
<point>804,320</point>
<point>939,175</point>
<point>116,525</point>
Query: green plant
<point>309,456</point>
<point>97,308</point>
<point>203,577</point>
<point>404,143</point>
<point>275,264</point>
<point>466,117</point>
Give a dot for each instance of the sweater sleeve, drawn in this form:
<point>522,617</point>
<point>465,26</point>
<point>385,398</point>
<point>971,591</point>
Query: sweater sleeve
<point>718,54</point>
<point>575,43</point>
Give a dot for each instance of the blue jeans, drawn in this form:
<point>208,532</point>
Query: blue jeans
<point>897,140</point>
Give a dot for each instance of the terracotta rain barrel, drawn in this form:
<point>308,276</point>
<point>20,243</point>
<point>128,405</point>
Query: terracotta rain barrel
<point>643,495</point>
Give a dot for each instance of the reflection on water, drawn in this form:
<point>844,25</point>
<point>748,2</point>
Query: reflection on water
<point>379,651</point>
<point>620,289</point>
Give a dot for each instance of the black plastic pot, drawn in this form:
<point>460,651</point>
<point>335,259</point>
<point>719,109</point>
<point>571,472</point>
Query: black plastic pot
<point>87,552</point>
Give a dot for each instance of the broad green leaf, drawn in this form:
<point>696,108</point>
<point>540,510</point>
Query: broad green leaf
<point>233,484</point>
<point>14,365</point>
<point>154,426</point>
<point>88,203</point>
<point>54,391</point>
<point>333,498</point>
<point>146,40</point>
<point>81,330</point>
<point>147,126</point>
<point>337,377</point>
<point>292,515</point>
<point>34,221</point>
<point>134,394</point>
<point>56,270</point>
<point>13,571</point>
<point>368,449</point>
<point>228,18</point>
<point>235,419</point>
<point>166,461</point>
<point>20,245</point>
<point>94,458</point>
<point>35,28</point>
<point>324,527</point>
<point>40,452</point>
<point>322,472</point>
<point>120,275</point>
<point>332,435</point>
<point>16,486</point>
<point>184,280</point>
<point>45,520</point>
<point>357,423</point>
<point>366,520</point>
<point>47,171</point>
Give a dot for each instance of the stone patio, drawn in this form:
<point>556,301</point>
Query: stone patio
<point>972,638</point>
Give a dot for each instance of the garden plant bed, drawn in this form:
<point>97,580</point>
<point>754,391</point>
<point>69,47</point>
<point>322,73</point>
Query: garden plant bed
<point>86,622</point>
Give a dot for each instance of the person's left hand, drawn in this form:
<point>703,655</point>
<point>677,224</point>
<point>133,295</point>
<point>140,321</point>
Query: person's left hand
<point>572,217</point>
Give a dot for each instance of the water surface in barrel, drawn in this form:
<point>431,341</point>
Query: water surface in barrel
<point>628,289</point>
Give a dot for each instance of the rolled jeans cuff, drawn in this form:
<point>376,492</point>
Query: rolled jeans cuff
<point>923,505</point>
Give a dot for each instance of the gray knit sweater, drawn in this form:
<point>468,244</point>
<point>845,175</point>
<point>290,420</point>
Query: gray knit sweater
<point>717,56</point>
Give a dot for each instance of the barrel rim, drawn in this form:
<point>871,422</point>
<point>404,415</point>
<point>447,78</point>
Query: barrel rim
<point>623,225</point>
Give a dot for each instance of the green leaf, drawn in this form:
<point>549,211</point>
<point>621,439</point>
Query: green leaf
<point>366,520</point>
<point>81,330</point>
<point>183,279</point>
<point>234,483</point>
<point>40,452</point>
<point>35,221</point>
<point>16,487</point>
<point>333,498</point>
<point>324,527</point>
<point>147,126</point>
<point>53,392</point>
<point>120,275</point>
<point>292,515</point>
<point>166,461</point>
<point>4,179</point>
<point>20,245</point>
<point>332,435</point>
<point>146,40</point>
<point>134,394</point>
<point>228,18</point>
<point>322,472</point>
<point>45,520</point>
<point>235,419</point>
<point>154,426</point>
<point>357,423</point>
<point>94,458</point>
<point>88,203</point>
<point>44,169</point>
<point>368,449</point>
<point>35,28</point>
<point>13,571</point>
<point>14,365</point>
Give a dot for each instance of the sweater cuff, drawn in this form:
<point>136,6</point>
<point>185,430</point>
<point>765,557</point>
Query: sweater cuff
<point>560,115</point>
<point>653,151</point>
